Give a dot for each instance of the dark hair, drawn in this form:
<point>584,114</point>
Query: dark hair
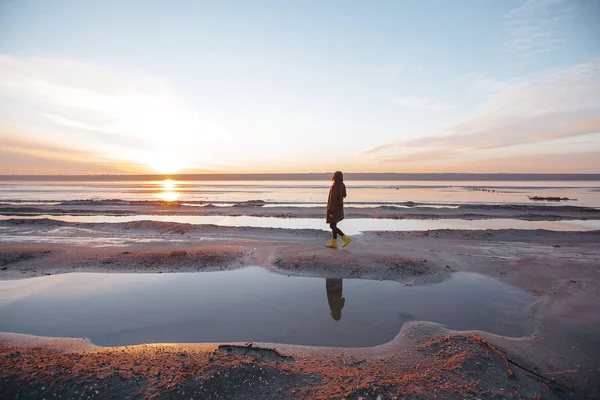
<point>338,177</point>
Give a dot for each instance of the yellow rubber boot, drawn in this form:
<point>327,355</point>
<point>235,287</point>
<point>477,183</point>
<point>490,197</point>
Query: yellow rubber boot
<point>346,240</point>
<point>332,244</point>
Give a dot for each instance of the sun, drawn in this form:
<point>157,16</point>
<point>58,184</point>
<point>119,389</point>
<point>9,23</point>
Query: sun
<point>165,163</point>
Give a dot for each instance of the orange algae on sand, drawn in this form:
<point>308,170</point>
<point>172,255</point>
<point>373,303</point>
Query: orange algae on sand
<point>441,366</point>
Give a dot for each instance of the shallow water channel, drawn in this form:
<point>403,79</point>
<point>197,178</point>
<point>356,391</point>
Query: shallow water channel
<point>252,304</point>
<point>351,226</point>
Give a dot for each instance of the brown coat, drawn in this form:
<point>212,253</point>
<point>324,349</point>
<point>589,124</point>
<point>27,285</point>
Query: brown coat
<point>335,203</point>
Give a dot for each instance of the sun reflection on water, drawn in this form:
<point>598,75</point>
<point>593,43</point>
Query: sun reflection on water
<point>169,191</point>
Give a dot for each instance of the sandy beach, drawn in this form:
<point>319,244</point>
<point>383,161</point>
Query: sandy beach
<point>557,360</point>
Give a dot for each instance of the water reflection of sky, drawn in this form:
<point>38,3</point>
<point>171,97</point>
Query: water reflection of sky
<point>349,225</point>
<point>251,304</point>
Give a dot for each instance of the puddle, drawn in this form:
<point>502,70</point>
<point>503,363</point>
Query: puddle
<point>251,304</point>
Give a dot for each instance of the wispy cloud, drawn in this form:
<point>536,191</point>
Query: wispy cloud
<point>380,148</point>
<point>421,157</point>
<point>127,115</point>
<point>451,161</point>
<point>563,103</point>
<point>427,104</point>
<point>557,162</point>
<point>536,26</point>
<point>22,156</point>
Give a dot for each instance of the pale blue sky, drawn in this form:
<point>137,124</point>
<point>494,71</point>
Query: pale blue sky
<point>432,86</point>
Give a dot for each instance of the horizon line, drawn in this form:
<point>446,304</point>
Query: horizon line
<point>317,175</point>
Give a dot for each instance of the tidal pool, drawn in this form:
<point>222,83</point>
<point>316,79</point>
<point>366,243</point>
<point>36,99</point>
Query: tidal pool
<point>252,304</point>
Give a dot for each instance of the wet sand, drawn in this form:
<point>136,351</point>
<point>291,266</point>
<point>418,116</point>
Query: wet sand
<point>559,360</point>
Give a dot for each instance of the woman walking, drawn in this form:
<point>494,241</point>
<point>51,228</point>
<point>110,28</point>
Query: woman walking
<point>335,209</point>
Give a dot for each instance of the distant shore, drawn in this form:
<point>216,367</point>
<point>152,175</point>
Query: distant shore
<point>350,176</point>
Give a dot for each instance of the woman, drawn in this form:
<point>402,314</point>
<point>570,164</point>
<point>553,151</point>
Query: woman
<point>335,209</point>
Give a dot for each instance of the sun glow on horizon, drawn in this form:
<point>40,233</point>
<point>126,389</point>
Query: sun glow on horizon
<point>165,163</point>
<point>128,115</point>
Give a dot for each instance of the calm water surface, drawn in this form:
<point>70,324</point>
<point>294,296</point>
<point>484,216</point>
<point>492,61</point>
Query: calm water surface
<point>252,304</point>
<point>351,226</point>
<point>308,193</point>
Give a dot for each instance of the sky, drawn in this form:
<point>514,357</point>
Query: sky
<point>118,87</point>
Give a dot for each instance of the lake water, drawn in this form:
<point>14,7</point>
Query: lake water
<point>50,199</point>
<point>252,304</point>
<point>350,226</point>
<point>307,193</point>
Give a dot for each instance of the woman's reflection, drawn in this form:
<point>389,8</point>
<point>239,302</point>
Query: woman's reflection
<point>334,297</point>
